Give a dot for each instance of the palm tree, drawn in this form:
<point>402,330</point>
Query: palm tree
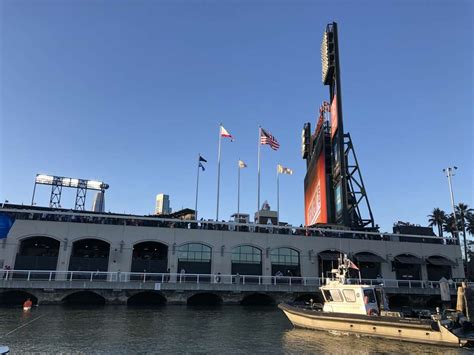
<point>470,224</point>
<point>449,225</point>
<point>437,218</point>
<point>463,213</point>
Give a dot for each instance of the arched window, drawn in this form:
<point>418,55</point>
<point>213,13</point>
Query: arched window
<point>246,260</point>
<point>194,258</point>
<point>407,267</point>
<point>439,267</point>
<point>149,257</point>
<point>369,265</point>
<point>37,253</point>
<point>89,255</point>
<point>285,261</point>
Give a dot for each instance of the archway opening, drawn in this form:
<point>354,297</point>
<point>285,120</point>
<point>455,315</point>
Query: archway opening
<point>204,299</point>
<point>147,298</point>
<point>89,255</point>
<point>194,258</point>
<point>327,261</point>
<point>16,298</point>
<point>439,267</point>
<point>370,265</point>
<point>149,257</point>
<point>257,299</point>
<point>37,253</point>
<point>285,262</point>
<point>84,298</point>
<point>247,260</point>
<point>407,267</point>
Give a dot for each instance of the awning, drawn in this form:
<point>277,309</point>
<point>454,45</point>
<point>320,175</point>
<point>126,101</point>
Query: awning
<point>329,256</point>
<point>440,261</point>
<point>369,258</point>
<point>408,259</point>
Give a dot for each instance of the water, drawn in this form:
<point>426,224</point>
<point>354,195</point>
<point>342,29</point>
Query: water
<point>179,329</point>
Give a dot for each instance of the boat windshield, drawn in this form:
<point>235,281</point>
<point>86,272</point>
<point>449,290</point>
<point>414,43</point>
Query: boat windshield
<point>369,296</point>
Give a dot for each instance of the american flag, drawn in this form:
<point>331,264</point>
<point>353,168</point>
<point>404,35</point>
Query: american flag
<point>267,138</point>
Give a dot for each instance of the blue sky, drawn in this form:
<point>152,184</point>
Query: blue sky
<point>129,92</point>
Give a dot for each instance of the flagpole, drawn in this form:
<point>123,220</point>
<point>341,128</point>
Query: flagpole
<point>218,171</point>
<point>258,179</point>
<point>238,189</point>
<point>197,189</point>
<point>278,197</point>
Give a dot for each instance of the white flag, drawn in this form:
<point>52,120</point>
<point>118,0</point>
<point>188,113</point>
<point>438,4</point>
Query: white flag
<point>226,134</point>
<point>283,170</point>
<point>242,164</point>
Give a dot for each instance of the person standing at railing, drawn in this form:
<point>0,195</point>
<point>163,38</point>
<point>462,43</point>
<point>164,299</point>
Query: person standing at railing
<point>181,276</point>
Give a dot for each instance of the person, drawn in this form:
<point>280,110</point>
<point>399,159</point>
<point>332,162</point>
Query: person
<point>182,275</point>
<point>27,305</point>
<point>218,277</point>
<point>278,273</point>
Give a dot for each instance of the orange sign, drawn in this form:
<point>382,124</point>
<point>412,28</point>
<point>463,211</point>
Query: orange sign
<point>333,116</point>
<point>315,194</point>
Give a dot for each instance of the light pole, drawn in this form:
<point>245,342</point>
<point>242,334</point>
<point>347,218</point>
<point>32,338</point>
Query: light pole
<point>449,174</point>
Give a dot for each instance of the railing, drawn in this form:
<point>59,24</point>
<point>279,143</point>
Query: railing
<point>30,213</point>
<point>182,278</point>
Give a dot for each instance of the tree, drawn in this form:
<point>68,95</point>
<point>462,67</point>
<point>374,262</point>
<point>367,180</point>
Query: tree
<point>437,218</point>
<point>449,226</point>
<point>470,224</point>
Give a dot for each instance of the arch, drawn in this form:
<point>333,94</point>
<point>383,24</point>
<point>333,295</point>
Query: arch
<point>369,264</point>
<point>328,260</point>
<point>286,261</point>
<point>194,258</point>
<point>149,257</point>
<point>257,299</point>
<point>438,266</point>
<point>204,299</point>
<point>246,260</point>
<point>37,253</point>
<point>89,254</point>
<point>407,267</point>
<point>16,298</point>
<point>83,298</point>
<point>147,298</point>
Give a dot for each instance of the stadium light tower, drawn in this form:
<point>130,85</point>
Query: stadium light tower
<point>58,182</point>
<point>449,174</point>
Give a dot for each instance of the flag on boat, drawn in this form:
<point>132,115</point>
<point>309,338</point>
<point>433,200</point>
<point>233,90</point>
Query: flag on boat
<point>226,134</point>
<point>242,164</point>
<point>352,265</point>
<point>267,138</point>
<point>283,170</point>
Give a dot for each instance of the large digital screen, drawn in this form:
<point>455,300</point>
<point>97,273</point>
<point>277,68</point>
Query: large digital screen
<point>315,191</point>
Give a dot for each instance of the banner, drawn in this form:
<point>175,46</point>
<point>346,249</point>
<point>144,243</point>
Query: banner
<point>315,193</point>
<point>6,222</point>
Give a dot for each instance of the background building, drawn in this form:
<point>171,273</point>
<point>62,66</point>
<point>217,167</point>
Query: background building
<point>162,204</point>
<point>98,205</point>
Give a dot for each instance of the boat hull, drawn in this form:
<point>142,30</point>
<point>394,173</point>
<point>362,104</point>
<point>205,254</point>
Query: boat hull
<point>412,330</point>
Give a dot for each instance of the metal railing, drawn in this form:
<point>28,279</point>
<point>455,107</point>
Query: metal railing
<point>152,221</point>
<point>178,278</point>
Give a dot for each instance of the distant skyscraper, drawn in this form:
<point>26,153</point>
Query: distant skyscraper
<point>162,204</point>
<point>98,205</point>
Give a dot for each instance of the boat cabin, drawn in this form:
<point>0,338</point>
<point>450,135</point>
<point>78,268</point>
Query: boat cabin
<point>353,299</point>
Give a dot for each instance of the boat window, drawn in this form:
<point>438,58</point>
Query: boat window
<point>349,295</point>
<point>327,296</point>
<point>336,295</point>
<point>369,296</point>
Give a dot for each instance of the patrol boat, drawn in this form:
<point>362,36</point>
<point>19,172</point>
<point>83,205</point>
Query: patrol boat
<point>363,310</point>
